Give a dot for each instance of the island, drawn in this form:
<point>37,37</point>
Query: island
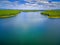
<point>51,13</point>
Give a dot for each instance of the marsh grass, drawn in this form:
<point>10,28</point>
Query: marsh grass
<point>52,13</point>
<point>11,13</point>
<point>8,13</point>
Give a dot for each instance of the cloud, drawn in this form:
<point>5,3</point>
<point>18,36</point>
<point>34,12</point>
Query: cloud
<point>16,5</point>
<point>8,4</point>
<point>43,4</point>
<point>46,3</point>
<point>37,1</point>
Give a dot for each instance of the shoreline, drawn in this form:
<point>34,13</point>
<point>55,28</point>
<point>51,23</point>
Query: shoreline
<point>53,16</point>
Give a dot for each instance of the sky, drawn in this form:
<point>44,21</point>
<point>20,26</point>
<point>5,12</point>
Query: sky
<point>30,4</point>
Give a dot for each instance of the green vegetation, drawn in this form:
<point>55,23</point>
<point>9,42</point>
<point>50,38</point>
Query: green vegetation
<point>8,13</point>
<point>29,10</point>
<point>11,13</point>
<point>52,13</point>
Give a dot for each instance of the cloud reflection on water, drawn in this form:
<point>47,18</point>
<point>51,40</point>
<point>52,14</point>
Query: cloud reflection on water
<point>27,19</point>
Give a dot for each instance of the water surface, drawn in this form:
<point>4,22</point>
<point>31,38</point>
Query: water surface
<point>30,28</point>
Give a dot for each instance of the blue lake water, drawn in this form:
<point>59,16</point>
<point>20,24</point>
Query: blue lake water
<point>30,28</point>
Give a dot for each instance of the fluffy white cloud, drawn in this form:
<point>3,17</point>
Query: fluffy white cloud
<point>43,5</point>
<point>46,4</point>
<point>34,0</point>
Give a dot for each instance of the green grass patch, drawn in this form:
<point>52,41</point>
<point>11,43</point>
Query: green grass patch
<point>29,10</point>
<point>52,13</point>
<point>8,13</point>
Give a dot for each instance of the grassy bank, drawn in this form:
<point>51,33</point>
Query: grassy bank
<point>11,13</point>
<point>29,10</point>
<point>52,13</point>
<point>8,13</point>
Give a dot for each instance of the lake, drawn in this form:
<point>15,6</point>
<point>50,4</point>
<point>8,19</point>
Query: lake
<point>30,28</point>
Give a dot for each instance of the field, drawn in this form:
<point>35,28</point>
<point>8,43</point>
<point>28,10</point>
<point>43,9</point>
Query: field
<point>52,13</point>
